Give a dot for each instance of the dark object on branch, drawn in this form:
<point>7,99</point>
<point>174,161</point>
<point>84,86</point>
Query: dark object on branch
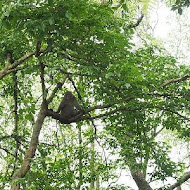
<point>69,107</point>
<point>63,120</point>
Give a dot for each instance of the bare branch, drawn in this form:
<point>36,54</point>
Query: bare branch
<point>38,47</point>
<point>11,68</point>
<point>30,153</point>
<point>22,59</point>
<point>84,116</point>
<point>75,87</point>
<point>158,132</point>
<point>42,70</point>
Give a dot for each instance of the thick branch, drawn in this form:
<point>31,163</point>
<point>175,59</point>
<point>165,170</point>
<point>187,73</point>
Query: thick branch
<point>58,117</point>
<point>175,80</point>
<point>16,117</point>
<point>180,181</point>
<point>11,68</point>
<point>38,47</point>
<point>20,173</point>
<point>80,116</point>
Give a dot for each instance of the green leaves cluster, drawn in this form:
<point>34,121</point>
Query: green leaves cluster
<point>93,44</point>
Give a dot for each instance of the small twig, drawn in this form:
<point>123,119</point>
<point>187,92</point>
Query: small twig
<point>76,89</point>
<point>7,151</point>
<point>58,86</point>
<point>174,112</point>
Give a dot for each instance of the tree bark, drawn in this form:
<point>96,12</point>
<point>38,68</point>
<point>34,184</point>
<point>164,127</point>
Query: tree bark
<point>80,159</point>
<point>22,171</point>
<point>92,183</point>
<point>140,180</point>
<point>180,181</point>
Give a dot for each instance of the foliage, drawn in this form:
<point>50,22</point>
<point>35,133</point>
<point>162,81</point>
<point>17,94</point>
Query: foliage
<point>93,44</point>
<point>180,4</point>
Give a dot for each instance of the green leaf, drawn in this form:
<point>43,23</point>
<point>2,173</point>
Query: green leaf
<point>50,2</point>
<point>127,85</point>
<point>68,15</point>
<point>51,21</point>
<point>180,11</point>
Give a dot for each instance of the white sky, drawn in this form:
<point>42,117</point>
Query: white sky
<point>173,31</point>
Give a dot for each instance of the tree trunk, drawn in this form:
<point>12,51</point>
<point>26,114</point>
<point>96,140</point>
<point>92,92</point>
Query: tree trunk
<point>80,159</point>
<point>92,183</point>
<point>20,173</point>
<point>140,180</point>
<point>98,182</point>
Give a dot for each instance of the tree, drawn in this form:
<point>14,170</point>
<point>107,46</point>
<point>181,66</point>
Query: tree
<point>84,47</point>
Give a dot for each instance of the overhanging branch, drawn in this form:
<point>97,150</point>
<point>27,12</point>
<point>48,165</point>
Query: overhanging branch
<point>176,113</point>
<point>180,181</point>
<point>186,77</point>
<point>13,66</point>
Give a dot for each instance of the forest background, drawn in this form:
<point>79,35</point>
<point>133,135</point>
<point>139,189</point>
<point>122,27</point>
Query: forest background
<point>133,91</point>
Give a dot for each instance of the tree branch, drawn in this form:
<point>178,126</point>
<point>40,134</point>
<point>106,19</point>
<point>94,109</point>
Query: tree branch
<point>11,68</point>
<point>180,181</point>
<point>186,77</point>
<point>84,116</point>
<point>137,23</point>
<point>7,151</point>
<point>44,92</point>
<point>25,166</point>
<point>107,105</point>
<point>80,116</point>
<point>58,86</point>
<point>58,117</point>
<point>174,112</point>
